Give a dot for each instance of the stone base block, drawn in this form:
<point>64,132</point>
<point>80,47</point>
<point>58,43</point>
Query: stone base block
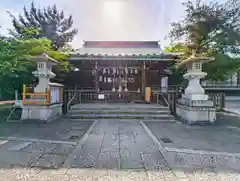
<point>196,114</point>
<point>195,97</point>
<point>43,113</point>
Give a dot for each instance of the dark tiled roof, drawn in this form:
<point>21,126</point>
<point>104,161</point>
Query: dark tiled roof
<point>121,44</point>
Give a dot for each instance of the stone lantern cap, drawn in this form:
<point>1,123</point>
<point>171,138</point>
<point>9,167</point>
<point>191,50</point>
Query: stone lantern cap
<point>44,58</point>
<point>196,58</point>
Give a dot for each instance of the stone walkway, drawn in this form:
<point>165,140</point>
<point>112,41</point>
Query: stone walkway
<point>116,144</point>
<point>111,150</point>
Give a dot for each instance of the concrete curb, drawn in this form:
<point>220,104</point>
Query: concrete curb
<point>201,152</point>
<point>70,158</point>
<point>230,112</point>
<point>37,140</point>
<point>163,152</point>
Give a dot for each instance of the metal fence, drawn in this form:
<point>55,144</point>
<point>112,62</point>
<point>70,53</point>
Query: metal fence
<point>169,98</point>
<point>72,97</point>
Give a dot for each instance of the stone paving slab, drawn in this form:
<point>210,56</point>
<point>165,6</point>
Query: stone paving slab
<point>44,153</point>
<point>182,157</point>
<point>115,144</point>
<point>59,130</point>
<point>208,138</point>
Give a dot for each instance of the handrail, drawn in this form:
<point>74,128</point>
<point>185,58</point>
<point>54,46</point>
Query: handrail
<point>69,102</point>
<point>35,94</point>
<point>165,100</point>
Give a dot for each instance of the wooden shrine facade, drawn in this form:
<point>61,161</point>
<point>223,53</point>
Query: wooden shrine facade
<point>118,66</point>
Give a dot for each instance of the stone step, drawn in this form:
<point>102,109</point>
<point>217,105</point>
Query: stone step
<point>160,108</point>
<point>118,116</point>
<point>122,120</point>
<point>147,112</point>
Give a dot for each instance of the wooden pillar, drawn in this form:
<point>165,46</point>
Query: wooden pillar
<point>126,75</point>
<point>96,76</point>
<point>114,76</point>
<point>143,78</point>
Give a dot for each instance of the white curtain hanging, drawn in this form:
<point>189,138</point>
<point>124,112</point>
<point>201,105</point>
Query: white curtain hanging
<point>131,71</point>
<point>136,71</point>
<point>126,71</point>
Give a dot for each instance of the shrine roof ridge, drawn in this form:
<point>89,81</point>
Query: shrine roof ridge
<point>121,44</point>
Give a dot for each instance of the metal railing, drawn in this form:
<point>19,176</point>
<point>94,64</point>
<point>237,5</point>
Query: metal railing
<point>219,100</point>
<point>88,96</point>
<point>72,97</point>
<point>220,84</point>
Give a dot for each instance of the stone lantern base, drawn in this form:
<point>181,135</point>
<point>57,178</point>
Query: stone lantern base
<point>196,111</point>
<point>42,113</point>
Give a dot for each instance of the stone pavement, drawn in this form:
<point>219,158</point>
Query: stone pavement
<point>61,130</point>
<point>40,145</point>
<point>116,144</point>
<point>184,146</point>
<point>115,150</point>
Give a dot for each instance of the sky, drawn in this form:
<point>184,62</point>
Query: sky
<point>109,19</point>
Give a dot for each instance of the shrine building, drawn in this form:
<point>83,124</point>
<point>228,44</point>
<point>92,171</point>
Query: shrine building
<point>119,67</point>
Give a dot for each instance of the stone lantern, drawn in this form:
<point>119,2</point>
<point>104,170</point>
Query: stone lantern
<point>194,105</point>
<point>44,71</point>
<point>46,100</point>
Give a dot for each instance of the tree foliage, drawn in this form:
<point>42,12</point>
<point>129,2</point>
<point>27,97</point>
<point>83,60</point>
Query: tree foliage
<point>15,67</point>
<point>212,30</point>
<point>216,70</point>
<point>177,72</point>
<point>47,22</point>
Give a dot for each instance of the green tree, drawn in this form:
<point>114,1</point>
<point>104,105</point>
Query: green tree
<point>211,30</point>
<point>217,70</point>
<point>47,22</point>
<point>15,67</point>
<point>177,72</point>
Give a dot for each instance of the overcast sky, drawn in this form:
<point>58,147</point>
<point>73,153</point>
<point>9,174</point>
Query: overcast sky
<point>130,20</point>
